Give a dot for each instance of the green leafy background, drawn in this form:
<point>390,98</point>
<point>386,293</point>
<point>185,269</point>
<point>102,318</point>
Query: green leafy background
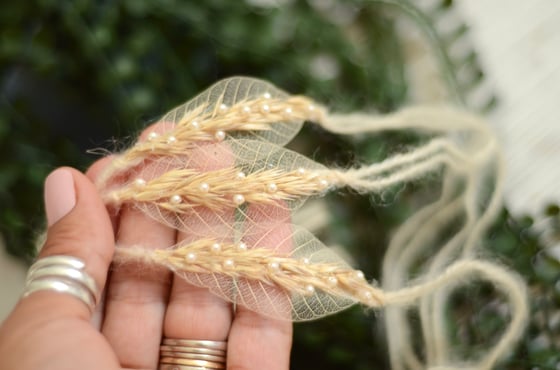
<point>84,74</point>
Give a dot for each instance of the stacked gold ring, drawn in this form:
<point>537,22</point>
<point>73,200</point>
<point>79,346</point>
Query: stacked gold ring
<point>187,354</point>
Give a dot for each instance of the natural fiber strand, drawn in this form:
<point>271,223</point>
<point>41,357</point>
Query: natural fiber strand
<point>214,168</point>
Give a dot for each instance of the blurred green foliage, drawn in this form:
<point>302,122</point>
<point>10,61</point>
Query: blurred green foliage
<point>76,73</point>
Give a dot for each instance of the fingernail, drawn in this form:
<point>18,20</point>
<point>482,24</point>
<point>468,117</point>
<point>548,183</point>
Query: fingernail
<point>60,195</point>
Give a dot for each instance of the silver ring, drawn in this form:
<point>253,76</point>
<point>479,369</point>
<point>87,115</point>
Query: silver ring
<point>69,261</point>
<point>62,274</point>
<point>185,354</point>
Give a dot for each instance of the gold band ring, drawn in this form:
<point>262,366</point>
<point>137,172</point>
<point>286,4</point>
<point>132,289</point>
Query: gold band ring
<point>210,344</point>
<point>178,367</point>
<point>196,363</point>
<point>204,351</point>
<point>193,356</point>
<point>184,354</point>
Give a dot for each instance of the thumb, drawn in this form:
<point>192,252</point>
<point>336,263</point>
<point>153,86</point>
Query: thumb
<point>78,226</point>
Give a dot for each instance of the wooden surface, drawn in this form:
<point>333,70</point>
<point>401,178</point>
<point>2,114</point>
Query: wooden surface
<point>519,47</point>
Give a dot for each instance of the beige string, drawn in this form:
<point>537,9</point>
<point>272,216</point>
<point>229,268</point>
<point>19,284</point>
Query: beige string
<point>224,209</point>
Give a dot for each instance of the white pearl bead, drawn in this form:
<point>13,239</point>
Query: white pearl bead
<point>275,266</point>
<point>229,264</point>
<point>288,112</point>
<point>267,95</point>
<point>195,124</point>
<point>301,171</point>
<point>272,187</point>
<point>171,139</point>
<point>265,108</point>
<point>246,110</point>
<point>305,261</point>
<point>311,107</point>
<point>367,295</point>
<point>240,175</point>
<point>220,135</point>
<point>332,280</point>
<point>176,199</point>
<point>310,289</point>
<point>204,187</point>
<point>216,247</point>
<point>140,182</point>
<point>242,246</point>
<point>360,275</point>
<point>191,257</point>
<point>152,136</point>
<point>223,107</point>
<point>238,199</point>
<point>323,184</point>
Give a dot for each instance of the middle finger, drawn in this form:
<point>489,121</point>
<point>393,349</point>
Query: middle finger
<point>193,312</point>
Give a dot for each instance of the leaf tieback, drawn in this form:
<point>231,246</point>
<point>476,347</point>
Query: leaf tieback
<point>215,169</point>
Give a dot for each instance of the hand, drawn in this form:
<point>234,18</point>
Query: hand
<point>49,330</point>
